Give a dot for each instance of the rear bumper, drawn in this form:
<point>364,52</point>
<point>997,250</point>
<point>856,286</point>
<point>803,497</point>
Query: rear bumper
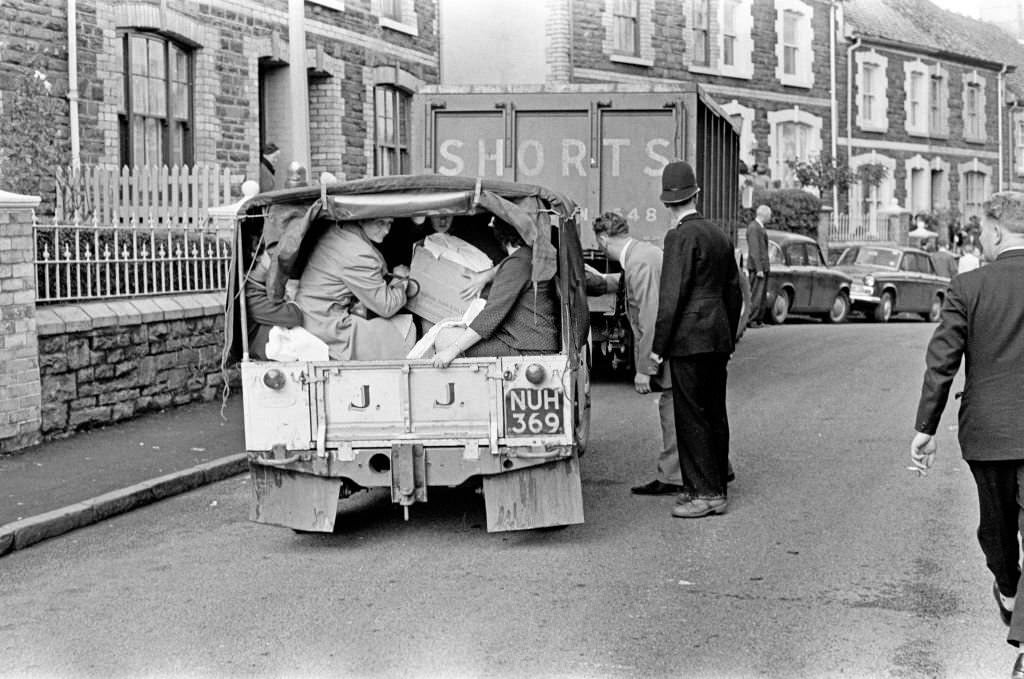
<point>448,466</point>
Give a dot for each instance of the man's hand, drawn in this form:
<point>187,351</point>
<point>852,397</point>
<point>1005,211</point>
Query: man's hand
<point>400,271</point>
<point>759,274</point>
<point>656,358</point>
<point>444,358</point>
<point>922,453</point>
<point>642,383</point>
<point>476,283</point>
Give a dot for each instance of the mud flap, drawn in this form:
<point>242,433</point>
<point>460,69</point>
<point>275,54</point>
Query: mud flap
<point>547,495</point>
<point>286,498</point>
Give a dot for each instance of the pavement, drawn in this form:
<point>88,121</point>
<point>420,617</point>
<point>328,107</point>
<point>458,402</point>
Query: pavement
<point>61,485</point>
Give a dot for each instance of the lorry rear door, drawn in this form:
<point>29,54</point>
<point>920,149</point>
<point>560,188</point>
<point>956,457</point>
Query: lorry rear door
<point>606,151</point>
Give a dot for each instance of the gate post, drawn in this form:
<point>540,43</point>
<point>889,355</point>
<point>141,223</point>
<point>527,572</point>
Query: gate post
<point>20,404</point>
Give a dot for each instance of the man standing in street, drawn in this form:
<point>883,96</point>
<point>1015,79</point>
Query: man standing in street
<point>981,320</point>
<point>641,273</point>
<point>698,315</point>
<point>758,265</point>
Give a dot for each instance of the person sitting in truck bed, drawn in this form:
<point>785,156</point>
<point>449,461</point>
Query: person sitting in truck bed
<point>517,318</point>
<point>346,298</point>
<point>263,312</point>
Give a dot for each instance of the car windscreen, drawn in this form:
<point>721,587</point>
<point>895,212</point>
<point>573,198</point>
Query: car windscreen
<point>885,257</point>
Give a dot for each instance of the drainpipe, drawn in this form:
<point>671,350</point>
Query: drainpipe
<point>849,105</point>
<point>834,111</point>
<point>849,98</point>
<point>76,145</point>
<point>999,120</point>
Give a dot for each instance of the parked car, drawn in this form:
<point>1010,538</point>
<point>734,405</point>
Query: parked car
<point>800,281</point>
<point>890,279</point>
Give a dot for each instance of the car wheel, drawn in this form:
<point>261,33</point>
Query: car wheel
<point>934,311</point>
<point>839,310</point>
<point>883,312</point>
<point>779,311</point>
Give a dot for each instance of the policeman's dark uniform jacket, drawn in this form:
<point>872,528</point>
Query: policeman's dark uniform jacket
<point>698,315</point>
<point>982,321</point>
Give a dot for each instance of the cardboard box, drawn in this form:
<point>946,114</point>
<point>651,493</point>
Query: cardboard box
<point>441,266</point>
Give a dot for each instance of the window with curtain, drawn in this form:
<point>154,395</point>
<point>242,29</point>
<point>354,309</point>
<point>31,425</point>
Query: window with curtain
<point>915,97</point>
<point>869,81</point>
<point>1018,144</point>
<point>626,26</point>
<point>793,143</point>
<point>392,9</point>
<point>155,115</point>
<point>391,136</point>
<point>701,33</point>
<point>729,32</point>
<point>790,41</point>
<point>935,105</point>
<point>973,194</point>
<point>972,116</point>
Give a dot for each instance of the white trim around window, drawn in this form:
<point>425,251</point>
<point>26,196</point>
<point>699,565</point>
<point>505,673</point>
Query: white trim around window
<point>808,142</point>
<point>794,50</point>
<point>872,100</point>
<point>739,42</point>
<point>973,96</point>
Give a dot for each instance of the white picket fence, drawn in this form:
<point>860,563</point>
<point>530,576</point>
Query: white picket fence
<point>167,196</point>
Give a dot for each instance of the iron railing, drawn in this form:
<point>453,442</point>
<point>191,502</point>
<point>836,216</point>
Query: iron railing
<point>76,262</point>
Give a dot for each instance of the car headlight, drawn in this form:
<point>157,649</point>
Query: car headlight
<point>869,281</point>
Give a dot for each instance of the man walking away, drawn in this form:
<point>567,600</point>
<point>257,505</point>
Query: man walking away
<point>982,319</point>
<point>698,315</point>
<point>758,265</point>
<point>641,273</point>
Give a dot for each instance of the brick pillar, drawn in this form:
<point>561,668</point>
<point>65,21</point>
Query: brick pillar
<point>20,407</point>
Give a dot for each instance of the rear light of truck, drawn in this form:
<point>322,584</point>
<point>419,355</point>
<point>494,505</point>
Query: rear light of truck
<point>274,378</point>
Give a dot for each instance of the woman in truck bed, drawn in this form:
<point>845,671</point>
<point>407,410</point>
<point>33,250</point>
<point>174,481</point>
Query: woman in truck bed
<point>518,318</point>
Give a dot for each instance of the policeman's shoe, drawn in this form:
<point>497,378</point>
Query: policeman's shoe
<point>698,507</point>
<point>1005,604</point>
<point>1018,668</point>
<point>656,487</point>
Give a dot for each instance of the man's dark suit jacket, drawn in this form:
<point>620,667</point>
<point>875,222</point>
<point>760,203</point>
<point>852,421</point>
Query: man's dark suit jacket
<point>983,321</point>
<point>700,300</point>
<point>757,248</point>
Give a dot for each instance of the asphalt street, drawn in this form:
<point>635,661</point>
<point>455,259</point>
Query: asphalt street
<point>833,559</point>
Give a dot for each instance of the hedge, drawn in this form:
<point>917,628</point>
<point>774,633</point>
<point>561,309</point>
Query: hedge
<point>793,210</point>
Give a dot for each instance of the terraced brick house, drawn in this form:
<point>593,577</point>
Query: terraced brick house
<point>181,82</point>
<point>929,95</point>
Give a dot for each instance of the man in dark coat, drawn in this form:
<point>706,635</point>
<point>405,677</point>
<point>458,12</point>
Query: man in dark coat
<point>982,319</point>
<point>698,314</point>
<point>268,172</point>
<point>758,265</point>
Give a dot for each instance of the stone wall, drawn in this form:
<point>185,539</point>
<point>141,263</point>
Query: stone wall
<point>101,362</point>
